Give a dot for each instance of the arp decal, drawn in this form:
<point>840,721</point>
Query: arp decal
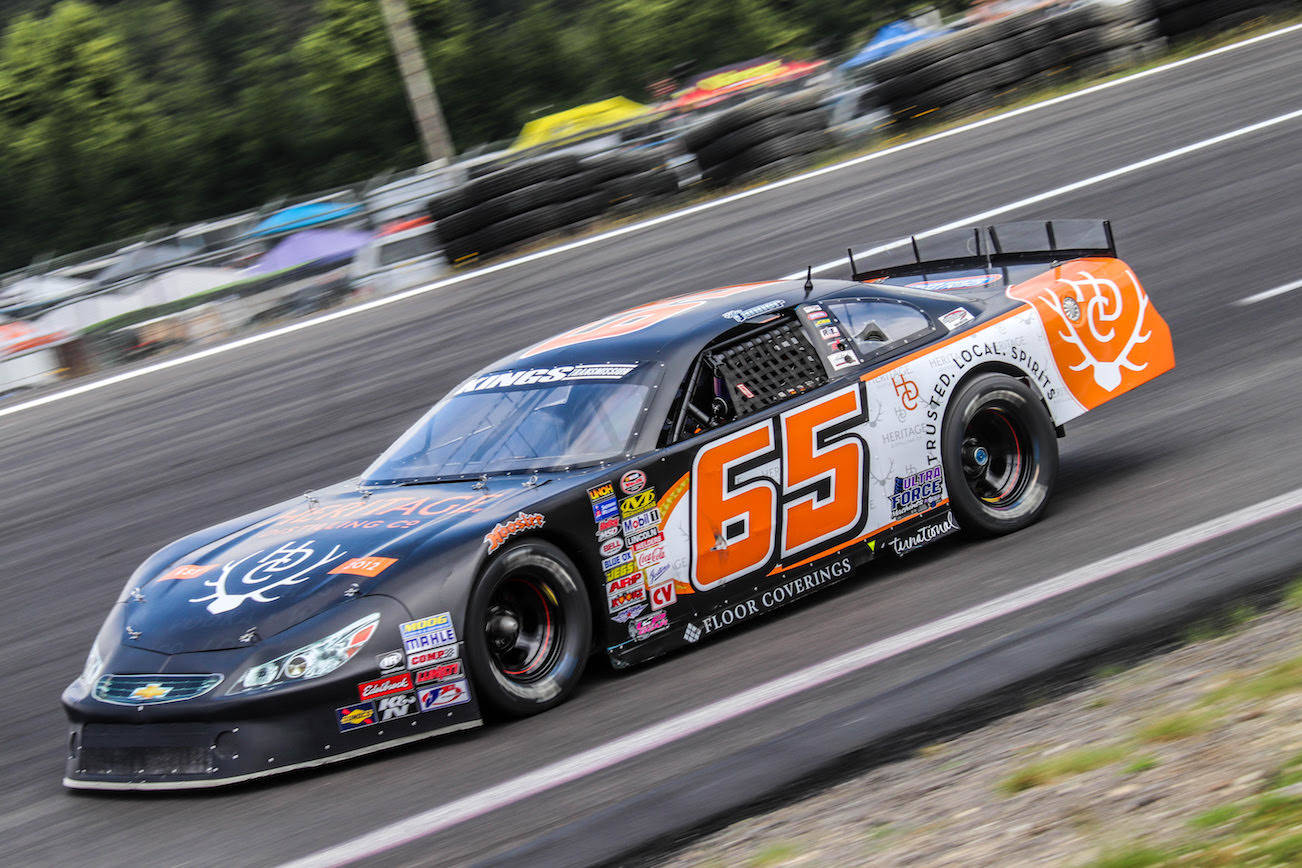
<point>384,686</point>
<point>819,496</point>
<point>1105,336</point>
<point>443,695</point>
<point>635,320</point>
<point>355,716</point>
<point>369,567</point>
<point>505,530</point>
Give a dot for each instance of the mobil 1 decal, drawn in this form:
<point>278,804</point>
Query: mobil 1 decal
<point>786,487</point>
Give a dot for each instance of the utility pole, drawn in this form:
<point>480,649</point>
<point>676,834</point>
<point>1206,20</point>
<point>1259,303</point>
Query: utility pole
<point>426,112</point>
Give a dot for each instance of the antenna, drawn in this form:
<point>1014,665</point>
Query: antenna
<point>850,253</point>
<point>809,281</point>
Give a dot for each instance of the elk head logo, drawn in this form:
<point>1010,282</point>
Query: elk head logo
<point>1105,335</point>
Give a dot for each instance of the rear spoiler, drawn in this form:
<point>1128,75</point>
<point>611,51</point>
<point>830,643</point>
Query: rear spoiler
<point>999,246</point>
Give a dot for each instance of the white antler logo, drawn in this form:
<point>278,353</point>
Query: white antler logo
<point>1100,302</point>
<point>266,573</point>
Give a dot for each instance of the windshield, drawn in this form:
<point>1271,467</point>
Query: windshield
<point>483,428</point>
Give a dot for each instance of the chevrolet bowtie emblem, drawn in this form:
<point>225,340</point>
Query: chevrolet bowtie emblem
<point>152,690</point>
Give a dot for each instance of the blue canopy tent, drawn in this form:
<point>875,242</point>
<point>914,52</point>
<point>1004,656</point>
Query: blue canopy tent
<point>890,39</point>
<point>303,216</point>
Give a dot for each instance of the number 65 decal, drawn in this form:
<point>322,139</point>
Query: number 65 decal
<point>816,495</point>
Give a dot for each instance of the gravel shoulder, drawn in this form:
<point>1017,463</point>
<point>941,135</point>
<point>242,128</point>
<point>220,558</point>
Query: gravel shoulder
<point>1192,757</point>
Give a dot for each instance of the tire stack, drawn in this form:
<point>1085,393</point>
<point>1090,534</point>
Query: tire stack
<point>1186,19</point>
<point>633,178</point>
<point>986,65</point>
<point>760,136</point>
<point>503,205</point>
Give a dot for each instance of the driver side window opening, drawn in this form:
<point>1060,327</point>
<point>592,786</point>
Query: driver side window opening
<point>878,325</point>
<point>744,373</point>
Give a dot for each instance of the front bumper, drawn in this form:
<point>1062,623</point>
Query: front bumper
<point>184,754</point>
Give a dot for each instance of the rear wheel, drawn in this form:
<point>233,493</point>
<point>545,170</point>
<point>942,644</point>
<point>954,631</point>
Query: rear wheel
<point>528,630</point>
<point>1000,453</point>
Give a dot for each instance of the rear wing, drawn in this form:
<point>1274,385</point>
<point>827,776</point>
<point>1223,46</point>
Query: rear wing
<point>1028,242</point>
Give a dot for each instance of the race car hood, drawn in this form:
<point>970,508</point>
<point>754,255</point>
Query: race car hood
<point>244,585</point>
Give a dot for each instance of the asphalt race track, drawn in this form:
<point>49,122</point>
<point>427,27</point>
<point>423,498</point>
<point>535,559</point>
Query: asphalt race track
<point>95,482</point>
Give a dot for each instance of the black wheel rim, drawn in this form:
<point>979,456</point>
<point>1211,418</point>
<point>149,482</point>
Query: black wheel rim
<point>996,456</point>
<point>523,628</point>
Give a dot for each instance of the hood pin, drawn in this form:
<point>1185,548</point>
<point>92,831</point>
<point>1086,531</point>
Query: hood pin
<point>132,633</point>
<point>136,596</point>
<point>249,635</point>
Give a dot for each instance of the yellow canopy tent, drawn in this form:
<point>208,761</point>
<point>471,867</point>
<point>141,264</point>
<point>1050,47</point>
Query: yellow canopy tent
<point>572,122</point>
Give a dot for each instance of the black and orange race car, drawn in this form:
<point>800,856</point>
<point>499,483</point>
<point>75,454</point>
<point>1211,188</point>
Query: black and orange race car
<point>626,488</point>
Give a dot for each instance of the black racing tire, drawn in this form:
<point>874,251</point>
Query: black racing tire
<point>528,630</point>
<point>730,144</point>
<point>1000,453</point>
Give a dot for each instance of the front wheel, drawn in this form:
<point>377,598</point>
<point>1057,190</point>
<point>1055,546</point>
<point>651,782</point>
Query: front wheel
<point>528,630</point>
<point>1000,453</point>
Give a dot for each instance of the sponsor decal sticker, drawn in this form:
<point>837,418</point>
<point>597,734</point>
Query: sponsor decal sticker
<point>642,521</point>
<point>426,633</point>
<point>830,333</point>
<point>601,492</point>
<point>632,482</point>
<point>604,509</point>
<point>844,359</point>
<point>398,705</point>
<point>639,630</point>
<point>384,686</point>
<point>625,615</point>
<point>636,503</point>
<point>433,655</point>
<point>611,546</point>
<point>650,557</point>
<point>657,573</point>
<point>927,533</point>
<point>184,571</point>
<point>606,533</point>
<point>507,529</point>
<point>917,492</point>
<point>616,560</point>
<point>630,597</point>
<point>955,318</point>
<point>389,660</point>
<point>906,390</point>
<point>369,567</point>
<point>355,716</point>
<point>621,570</point>
<point>441,672</point>
<point>663,595</point>
<point>650,542</point>
<point>443,695</point>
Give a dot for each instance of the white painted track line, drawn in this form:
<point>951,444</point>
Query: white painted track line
<point>1093,180</point>
<point>1271,293</point>
<point>720,711</point>
<point>630,228</point>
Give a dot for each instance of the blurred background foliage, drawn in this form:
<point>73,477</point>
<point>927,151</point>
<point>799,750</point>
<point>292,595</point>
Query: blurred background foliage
<point>119,116</point>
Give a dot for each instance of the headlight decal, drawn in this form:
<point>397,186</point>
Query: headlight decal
<point>312,660</point>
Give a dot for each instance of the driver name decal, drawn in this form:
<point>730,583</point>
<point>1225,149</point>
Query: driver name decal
<point>535,376</point>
